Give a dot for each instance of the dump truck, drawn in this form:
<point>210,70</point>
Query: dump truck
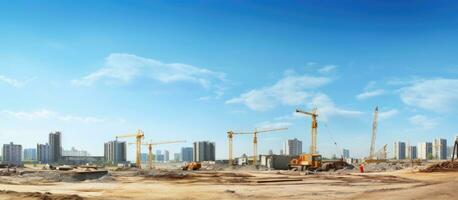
<point>191,166</point>
<point>306,162</point>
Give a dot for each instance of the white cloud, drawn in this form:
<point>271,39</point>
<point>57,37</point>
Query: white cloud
<point>121,67</point>
<point>52,115</point>
<point>14,82</point>
<point>290,90</point>
<point>388,114</point>
<point>370,91</point>
<point>271,125</point>
<point>423,122</point>
<point>368,94</point>
<point>438,94</point>
<point>326,108</point>
<point>326,69</point>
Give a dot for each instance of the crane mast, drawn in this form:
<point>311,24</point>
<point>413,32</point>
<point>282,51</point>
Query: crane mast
<point>138,136</point>
<point>314,131</point>
<point>374,135</point>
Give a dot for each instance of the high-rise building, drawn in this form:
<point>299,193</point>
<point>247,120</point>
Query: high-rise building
<point>440,149</point>
<point>12,154</point>
<point>412,152</point>
<point>271,152</point>
<point>166,155</point>
<point>399,150</point>
<point>159,156</point>
<point>281,152</point>
<point>115,152</point>
<point>55,146</point>
<point>186,154</point>
<point>176,157</point>
<point>30,154</point>
<point>43,153</point>
<point>292,147</point>
<point>425,150</point>
<point>346,153</point>
<point>204,151</point>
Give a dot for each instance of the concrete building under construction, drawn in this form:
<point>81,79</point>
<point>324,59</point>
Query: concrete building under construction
<point>115,152</point>
<point>204,151</point>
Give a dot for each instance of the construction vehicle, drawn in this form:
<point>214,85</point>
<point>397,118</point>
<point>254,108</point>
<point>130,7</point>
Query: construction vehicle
<point>191,166</point>
<point>230,135</point>
<point>138,136</point>
<point>455,149</point>
<point>312,160</point>
<point>150,149</point>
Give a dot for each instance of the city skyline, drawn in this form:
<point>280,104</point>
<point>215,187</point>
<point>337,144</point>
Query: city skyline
<point>233,66</point>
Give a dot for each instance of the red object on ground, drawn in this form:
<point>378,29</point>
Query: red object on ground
<point>361,168</point>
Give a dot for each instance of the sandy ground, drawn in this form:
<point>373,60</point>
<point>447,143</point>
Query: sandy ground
<point>249,185</point>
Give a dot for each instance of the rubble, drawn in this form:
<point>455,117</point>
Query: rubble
<point>446,166</point>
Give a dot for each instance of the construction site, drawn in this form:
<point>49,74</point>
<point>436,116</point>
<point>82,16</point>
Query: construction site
<point>307,176</point>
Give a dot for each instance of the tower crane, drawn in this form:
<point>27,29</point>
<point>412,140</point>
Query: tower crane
<point>139,135</point>
<point>230,135</point>
<point>314,128</point>
<point>150,149</point>
<point>374,135</point>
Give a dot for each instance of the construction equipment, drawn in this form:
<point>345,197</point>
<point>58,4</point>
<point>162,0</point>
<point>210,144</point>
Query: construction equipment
<point>230,135</point>
<point>455,149</point>
<point>314,128</point>
<point>191,166</point>
<point>138,136</point>
<point>312,160</point>
<point>374,135</point>
<point>150,149</point>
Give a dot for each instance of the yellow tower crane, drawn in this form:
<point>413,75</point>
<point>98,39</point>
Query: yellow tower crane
<point>314,128</point>
<point>230,135</point>
<point>138,136</point>
<point>150,149</point>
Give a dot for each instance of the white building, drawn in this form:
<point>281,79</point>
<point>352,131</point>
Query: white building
<point>75,152</point>
<point>292,147</point>
<point>440,149</point>
<point>30,154</point>
<point>399,150</point>
<point>425,150</point>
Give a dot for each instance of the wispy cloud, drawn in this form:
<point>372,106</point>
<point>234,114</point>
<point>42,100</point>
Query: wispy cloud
<point>290,90</point>
<point>423,122</point>
<point>439,94</point>
<point>123,68</point>
<point>327,69</point>
<point>44,114</point>
<point>370,91</point>
<point>369,94</point>
<point>14,82</point>
<point>388,114</point>
<point>270,125</point>
<point>326,108</point>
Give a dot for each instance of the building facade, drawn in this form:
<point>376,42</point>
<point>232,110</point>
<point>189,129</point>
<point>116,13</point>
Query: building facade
<point>75,152</point>
<point>204,151</point>
<point>412,152</point>
<point>425,150</point>
<point>30,154</point>
<point>12,154</point>
<point>186,154</point>
<point>292,147</point>
<point>440,149</point>
<point>346,153</point>
<point>399,150</point>
<point>115,152</point>
<point>55,146</point>
<point>43,153</point>
<point>166,155</point>
<point>176,157</point>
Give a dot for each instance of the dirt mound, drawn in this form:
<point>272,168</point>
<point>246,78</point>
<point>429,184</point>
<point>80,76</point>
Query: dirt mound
<point>446,166</point>
<point>42,196</point>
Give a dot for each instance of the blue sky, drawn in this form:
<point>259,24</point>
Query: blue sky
<point>194,70</point>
